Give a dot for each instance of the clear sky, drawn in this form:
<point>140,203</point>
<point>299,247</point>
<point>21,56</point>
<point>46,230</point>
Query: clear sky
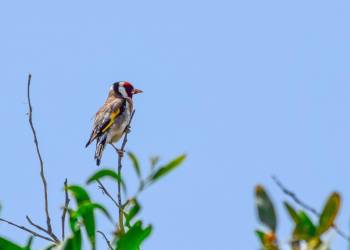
<point>246,88</point>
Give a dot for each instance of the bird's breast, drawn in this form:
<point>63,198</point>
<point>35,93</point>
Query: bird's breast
<point>121,122</point>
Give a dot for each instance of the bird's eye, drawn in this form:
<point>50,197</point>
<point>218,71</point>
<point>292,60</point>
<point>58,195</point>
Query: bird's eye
<point>124,89</point>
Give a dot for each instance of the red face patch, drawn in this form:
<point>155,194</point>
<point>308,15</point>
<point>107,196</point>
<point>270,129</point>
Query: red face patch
<point>128,84</point>
<point>128,88</point>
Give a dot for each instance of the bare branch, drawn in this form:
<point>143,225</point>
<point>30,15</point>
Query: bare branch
<point>27,230</point>
<point>120,157</point>
<point>36,225</point>
<point>42,175</point>
<point>105,191</point>
<point>53,236</point>
<point>296,199</point>
<point>65,208</point>
<point>106,239</point>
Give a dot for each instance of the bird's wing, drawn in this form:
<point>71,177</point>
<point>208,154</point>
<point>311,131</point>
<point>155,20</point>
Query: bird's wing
<point>105,117</point>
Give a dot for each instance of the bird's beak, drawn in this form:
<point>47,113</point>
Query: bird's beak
<point>137,91</point>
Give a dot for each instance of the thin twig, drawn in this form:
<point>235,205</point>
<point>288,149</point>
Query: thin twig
<point>53,236</point>
<point>106,239</point>
<point>65,208</point>
<point>120,157</point>
<point>28,230</point>
<point>105,191</point>
<point>307,207</point>
<point>36,225</point>
<point>42,175</point>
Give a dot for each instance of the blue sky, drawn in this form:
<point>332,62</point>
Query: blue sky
<point>246,88</point>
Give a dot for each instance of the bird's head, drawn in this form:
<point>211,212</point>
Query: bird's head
<point>124,89</point>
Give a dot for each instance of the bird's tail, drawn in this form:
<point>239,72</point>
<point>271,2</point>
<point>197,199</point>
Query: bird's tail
<point>100,145</point>
<point>91,139</point>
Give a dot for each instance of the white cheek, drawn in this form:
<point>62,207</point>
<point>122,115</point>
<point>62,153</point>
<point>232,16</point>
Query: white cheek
<point>123,92</point>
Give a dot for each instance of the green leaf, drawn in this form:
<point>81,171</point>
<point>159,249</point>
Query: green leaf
<point>293,214</point>
<point>261,236</point>
<point>316,243</point>
<point>73,220</point>
<point>135,163</point>
<point>82,197</point>
<point>79,194</point>
<point>265,209</point>
<point>133,239</point>
<point>267,240</point>
<point>90,227</point>
<point>50,247</point>
<point>132,212</point>
<point>29,243</point>
<point>164,170</point>
<point>154,161</point>
<point>295,217</point>
<point>8,245</point>
<point>305,229</point>
<point>106,173</point>
<point>88,207</point>
<point>74,242</point>
<point>329,213</point>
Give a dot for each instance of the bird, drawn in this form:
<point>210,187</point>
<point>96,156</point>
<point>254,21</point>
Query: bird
<point>113,118</point>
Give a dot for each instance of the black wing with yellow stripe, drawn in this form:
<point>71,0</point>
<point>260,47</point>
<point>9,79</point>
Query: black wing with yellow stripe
<point>105,118</point>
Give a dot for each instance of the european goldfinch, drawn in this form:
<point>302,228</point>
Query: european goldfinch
<point>112,119</point>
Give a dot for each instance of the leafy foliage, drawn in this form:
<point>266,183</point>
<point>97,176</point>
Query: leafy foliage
<point>167,168</point>
<point>267,240</point>
<point>265,208</point>
<point>305,232</point>
<point>133,239</point>
<point>85,212</point>
<point>103,173</point>
<point>135,163</point>
<point>82,217</point>
<point>329,213</point>
<point>8,245</point>
<point>134,210</point>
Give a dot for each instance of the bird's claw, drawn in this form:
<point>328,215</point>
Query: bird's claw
<point>127,129</point>
<point>120,152</point>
